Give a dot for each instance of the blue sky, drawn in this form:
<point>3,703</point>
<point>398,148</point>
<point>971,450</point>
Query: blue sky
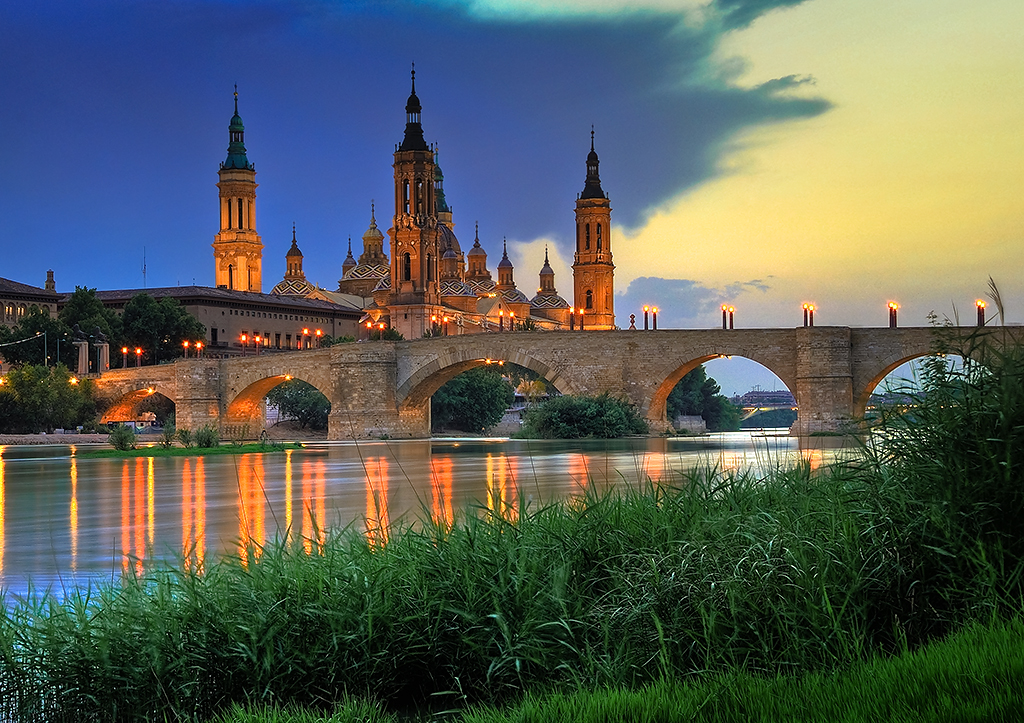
<point>757,152</point>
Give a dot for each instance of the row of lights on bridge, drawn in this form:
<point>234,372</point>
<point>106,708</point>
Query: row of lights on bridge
<point>729,314</point>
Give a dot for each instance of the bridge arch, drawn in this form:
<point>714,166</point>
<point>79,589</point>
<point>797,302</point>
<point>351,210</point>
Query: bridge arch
<point>863,396</point>
<point>417,390</point>
<point>247,404</point>
<point>671,373</point>
<point>123,408</point>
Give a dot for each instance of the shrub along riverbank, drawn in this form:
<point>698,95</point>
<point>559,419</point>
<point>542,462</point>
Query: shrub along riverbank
<point>804,572</point>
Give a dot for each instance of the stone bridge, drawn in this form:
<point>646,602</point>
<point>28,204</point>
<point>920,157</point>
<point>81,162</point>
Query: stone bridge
<point>384,388</point>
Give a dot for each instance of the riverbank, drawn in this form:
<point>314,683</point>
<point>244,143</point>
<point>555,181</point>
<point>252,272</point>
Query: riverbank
<point>223,448</point>
<point>14,439</point>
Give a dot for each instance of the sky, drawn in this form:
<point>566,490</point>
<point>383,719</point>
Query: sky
<point>760,153</point>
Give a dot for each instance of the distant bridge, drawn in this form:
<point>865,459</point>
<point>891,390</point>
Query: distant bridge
<point>384,388</point>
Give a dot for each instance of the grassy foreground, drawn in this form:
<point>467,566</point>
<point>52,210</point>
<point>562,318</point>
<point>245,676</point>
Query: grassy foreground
<point>158,451</point>
<point>801,574</point>
<point>972,676</point>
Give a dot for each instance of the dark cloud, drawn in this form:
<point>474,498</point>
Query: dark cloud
<point>680,301</point>
<point>132,100</point>
<point>741,13</point>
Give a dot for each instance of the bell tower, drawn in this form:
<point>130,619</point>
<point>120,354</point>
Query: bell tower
<point>592,270</point>
<point>237,249</point>
<point>415,253</point>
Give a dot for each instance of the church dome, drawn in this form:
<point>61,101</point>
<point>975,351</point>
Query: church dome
<point>446,239</point>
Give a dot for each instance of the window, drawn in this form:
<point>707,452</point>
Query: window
<point>405,196</point>
<point>419,197</point>
<point>587,233</point>
<point>213,336</point>
<point>406,267</point>
<point>287,341</point>
<point>277,341</point>
<point>598,237</point>
<point>577,238</point>
<point>590,299</point>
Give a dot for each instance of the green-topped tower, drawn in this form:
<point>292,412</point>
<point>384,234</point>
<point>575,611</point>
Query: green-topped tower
<point>237,249</point>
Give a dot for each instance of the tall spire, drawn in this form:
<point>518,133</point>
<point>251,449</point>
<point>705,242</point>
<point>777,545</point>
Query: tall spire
<point>592,189</point>
<point>236,146</point>
<point>413,140</point>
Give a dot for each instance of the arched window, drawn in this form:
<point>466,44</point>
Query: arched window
<point>241,214</point>
<point>598,237</point>
<point>577,238</point>
<point>406,267</point>
<point>405,196</point>
<point>590,299</point>
<point>231,276</point>
<point>587,236</point>
<point>22,310</point>
<point>419,197</point>
<point>229,213</point>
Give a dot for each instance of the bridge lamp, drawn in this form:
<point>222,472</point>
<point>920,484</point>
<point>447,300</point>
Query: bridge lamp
<point>256,339</point>
<point>501,320</point>
<point>151,391</point>
<point>810,311</point>
<point>807,308</point>
<point>981,311</point>
<point>124,357</point>
<point>444,330</point>
<point>244,340</point>
<point>184,345</point>
<point>732,312</point>
<point>581,319</point>
<point>511,321</point>
<point>199,349</point>
<point>572,319</point>
<point>646,309</point>
<point>893,308</point>
<point>72,380</point>
<point>655,311</point>
<point>138,356</point>
<point>287,377</point>
<point>319,335</point>
<point>725,313</point>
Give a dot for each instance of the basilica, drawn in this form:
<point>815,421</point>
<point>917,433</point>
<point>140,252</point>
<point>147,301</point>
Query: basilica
<point>416,278</point>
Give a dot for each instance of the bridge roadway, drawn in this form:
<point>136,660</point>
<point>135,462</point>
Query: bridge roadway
<point>384,388</point>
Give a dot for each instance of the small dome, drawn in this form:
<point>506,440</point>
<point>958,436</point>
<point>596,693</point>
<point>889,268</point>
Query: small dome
<point>294,250</point>
<point>546,269</point>
<point>449,254</point>
<point>504,263</point>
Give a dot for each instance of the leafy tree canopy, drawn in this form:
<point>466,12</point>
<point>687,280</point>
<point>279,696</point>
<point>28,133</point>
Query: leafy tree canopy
<point>159,327</point>
<point>34,398</point>
<point>84,309</point>
<point>575,417</point>
<point>302,402</point>
<point>472,401</point>
<point>30,350</point>
<point>697,394</point>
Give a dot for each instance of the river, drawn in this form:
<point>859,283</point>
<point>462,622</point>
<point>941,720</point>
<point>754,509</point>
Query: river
<point>71,521</point>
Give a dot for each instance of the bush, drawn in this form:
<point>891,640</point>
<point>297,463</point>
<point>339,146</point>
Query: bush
<point>122,438</point>
<point>572,417</point>
<point>168,435</point>
<point>185,437</point>
<point>472,401</point>
<point>207,436</point>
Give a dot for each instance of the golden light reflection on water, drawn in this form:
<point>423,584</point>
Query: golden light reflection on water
<point>251,504</point>
<point>441,491</point>
<point>134,509</point>
<point>314,513</point>
<point>814,457</point>
<point>502,498</point>
<point>377,519</point>
<point>193,514</point>
<point>73,514</point>
<point>288,493</point>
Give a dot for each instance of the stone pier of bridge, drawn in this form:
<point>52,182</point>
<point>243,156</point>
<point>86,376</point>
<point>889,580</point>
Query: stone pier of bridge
<point>383,389</point>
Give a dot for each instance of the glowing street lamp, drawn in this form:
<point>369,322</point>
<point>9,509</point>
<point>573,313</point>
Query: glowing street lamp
<point>319,336</point>
<point>138,357</point>
<point>732,312</point>
<point>646,309</point>
<point>725,316</point>
<point>501,320</point>
<point>444,330</point>
<point>581,319</point>
<point>511,321</point>
<point>380,329</point>
<point>199,349</point>
<point>981,312</point>
<point>655,311</point>
<point>256,338</point>
<point>244,338</point>
<point>124,357</point>
<point>572,319</point>
<point>893,308</point>
<point>184,345</point>
<point>808,314</point>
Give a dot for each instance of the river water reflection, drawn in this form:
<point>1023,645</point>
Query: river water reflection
<point>66,520</point>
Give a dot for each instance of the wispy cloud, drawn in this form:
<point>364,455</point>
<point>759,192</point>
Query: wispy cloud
<point>680,301</point>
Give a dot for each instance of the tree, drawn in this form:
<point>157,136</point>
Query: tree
<point>159,327</point>
<point>35,398</point>
<point>86,310</point>
<point>37,322</point>
<point>302,402</point>
<point>472,401</point>
<point>697,394</point>
<point>575,417</point>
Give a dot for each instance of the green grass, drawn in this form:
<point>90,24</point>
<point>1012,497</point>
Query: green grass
<point>158,451</point>
<point>973,676</point>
